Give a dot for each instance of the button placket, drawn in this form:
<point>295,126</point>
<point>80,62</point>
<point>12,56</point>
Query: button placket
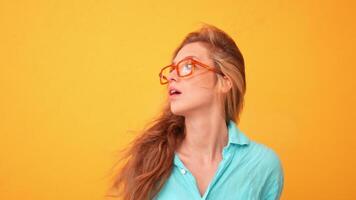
<point>183,171</point>
<point>188,177</point>
<point>222,167</point>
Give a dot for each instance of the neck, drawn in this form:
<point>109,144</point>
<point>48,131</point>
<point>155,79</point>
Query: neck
<point>206,136</point>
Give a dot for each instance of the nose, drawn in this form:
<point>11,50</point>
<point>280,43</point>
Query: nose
<point>172,76</point>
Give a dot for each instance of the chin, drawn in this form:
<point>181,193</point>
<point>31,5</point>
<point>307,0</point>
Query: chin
<point>177,112</point>
<point>178,109</point>
<point>183,109</point>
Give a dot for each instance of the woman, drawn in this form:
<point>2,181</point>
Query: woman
<point>194,149</point>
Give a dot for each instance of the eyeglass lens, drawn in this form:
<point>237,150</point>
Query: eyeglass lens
<point>185,68</point>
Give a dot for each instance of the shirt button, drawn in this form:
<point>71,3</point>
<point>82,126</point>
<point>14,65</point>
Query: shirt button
<point>183,171</point>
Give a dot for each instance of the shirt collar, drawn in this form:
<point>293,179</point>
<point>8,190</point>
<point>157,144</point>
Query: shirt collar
<point>236,136</point>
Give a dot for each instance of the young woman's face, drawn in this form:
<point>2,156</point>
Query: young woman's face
<point>197,90</point>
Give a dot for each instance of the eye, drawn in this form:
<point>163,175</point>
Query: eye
<point>186,68</point>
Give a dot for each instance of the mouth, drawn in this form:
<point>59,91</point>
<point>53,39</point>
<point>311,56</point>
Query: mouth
<point>174,92</point>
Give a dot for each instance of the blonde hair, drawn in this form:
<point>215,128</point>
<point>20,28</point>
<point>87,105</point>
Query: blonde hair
<point>148,160</point>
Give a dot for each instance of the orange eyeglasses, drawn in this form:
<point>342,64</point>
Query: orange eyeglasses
<point>184,68</point>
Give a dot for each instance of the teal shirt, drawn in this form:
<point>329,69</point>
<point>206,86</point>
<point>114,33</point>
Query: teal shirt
<point>248,171</point>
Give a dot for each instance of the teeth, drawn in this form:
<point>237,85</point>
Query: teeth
<point>173,91</point>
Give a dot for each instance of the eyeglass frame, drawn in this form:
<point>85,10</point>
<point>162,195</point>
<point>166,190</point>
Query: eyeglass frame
<point>194,62</point>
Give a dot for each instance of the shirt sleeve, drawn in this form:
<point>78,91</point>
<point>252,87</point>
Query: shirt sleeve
<point>274,184</point>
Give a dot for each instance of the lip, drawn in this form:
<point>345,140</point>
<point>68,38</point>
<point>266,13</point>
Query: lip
<point>173,97</point>
<point>173,88</point>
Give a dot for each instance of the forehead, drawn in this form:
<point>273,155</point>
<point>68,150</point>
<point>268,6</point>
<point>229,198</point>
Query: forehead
<point>196,50</point>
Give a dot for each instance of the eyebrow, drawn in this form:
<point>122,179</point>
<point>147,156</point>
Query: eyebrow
<point>187,57</point>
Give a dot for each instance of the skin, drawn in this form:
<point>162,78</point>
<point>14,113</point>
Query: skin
<point>201,150</point>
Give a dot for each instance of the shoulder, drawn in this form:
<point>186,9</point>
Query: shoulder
<point>267,157</point>
<point>271,170</point>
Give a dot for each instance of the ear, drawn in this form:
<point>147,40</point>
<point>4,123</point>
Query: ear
<point>226,84</point>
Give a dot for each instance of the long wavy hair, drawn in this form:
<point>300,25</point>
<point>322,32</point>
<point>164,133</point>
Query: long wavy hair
<point>148,160</point>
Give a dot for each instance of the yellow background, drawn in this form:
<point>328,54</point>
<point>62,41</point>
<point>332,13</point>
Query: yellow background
<point>77,76</point>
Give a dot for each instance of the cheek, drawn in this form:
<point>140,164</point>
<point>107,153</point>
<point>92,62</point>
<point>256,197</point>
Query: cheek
<point>204,82</point>
<point>202,89</point>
